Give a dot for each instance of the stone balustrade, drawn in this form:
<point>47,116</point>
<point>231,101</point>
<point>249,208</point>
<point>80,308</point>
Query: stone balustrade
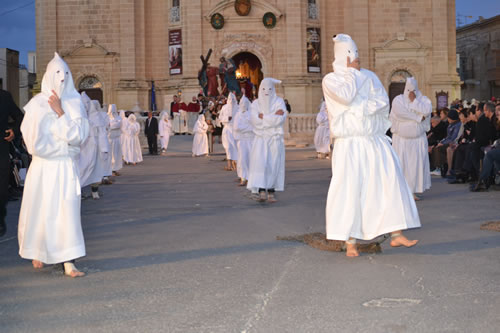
<point>299,129</point>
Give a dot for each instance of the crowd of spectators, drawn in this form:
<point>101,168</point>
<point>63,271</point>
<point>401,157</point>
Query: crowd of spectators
<point>464,144</point>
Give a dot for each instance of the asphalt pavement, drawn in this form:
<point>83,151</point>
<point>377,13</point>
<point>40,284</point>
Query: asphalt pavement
<point>174,245</point>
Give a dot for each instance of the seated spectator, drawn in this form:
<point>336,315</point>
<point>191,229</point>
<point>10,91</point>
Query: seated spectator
<point>459,154</point>
<point>438,152</point>
<point>484,136</point>
<point>491,161</point>
<point>450,151</point>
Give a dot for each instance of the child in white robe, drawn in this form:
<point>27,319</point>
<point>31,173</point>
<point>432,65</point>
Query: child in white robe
<point>368,194</point>
<point>322,134</point>
<point>226,116</point>
<point>54,127</point>
<point>133,151</point>
<point>115,123</point>
<point>267,157</point>
<point>165,130</point>
<point>200,140</point>
<point>243,134</point>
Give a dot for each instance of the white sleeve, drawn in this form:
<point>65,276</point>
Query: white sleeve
<point>273,120</point>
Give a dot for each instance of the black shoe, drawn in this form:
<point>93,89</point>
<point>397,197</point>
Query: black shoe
<point>3,228</point>
<point>456,181</point>
<point>480,186</point>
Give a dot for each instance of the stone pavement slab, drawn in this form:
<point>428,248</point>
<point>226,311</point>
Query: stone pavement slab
<point>175,246</point>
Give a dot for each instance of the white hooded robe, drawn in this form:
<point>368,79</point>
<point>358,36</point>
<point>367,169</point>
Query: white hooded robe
<point>200,139</point>
<point>50,227</point>
<point>88,149</point>
<point>267,157</point>
<point>368,193</point>
<point>132,152</point>
<point>409,138</point>
<point>165,130</point>
<point>98,126</point>
<point>123,130</point>
<point>226,117</point>
<point>115,124</point>
<point>243,134</point>
<point>322,134</point>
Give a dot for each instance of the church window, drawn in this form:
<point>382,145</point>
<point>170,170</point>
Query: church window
<point>175,11</point>
<point>312,9</point>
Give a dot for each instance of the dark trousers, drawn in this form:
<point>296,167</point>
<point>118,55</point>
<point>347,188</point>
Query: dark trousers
<point>153,144</point>
<point>473,159</point>
<point>492,159</point>
<point>269,190</point>
<point>459,157</point>
<point>438,156</point>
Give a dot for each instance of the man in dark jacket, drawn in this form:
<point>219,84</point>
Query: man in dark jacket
<point>8,110</point>
<point>484,136</point>
<point>151,131</point>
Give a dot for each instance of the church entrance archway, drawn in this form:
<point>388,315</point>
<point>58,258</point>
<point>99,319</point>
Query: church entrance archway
<point>249,70</point>
<point>398,81</point>
<point>92,87</point>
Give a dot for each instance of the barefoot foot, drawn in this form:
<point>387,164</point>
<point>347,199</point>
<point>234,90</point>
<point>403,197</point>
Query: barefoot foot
<point>400,240</point>
<point>71,271</point>
<point>351,250</point>
<point>37,264</point>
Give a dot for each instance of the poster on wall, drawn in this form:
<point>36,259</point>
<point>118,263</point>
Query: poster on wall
<point>175,51</point>
<point>313,50</point>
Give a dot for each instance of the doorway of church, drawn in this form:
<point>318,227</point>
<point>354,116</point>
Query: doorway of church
<point>249,72</point>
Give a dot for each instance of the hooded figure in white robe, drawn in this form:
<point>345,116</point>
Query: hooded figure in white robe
<point>368,193</point>
<point>411,120</point>
<point>50,228</point>
<point>200,139</point>
<point>123,129</point>
<point>267,157</point>
<point>322,134</point>
<point>100,135</point>
<point>165,130</point>
<point>115,123</point>
<point>88,149</point>
<point>133,152</point>
<point>103,113</point>
<point>226,117</point>
<point>243,134</point>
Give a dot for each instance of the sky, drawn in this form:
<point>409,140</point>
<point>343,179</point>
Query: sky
<point>17,21</point>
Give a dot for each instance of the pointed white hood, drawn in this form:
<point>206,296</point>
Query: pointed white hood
<point>411,85</point>
<point>232,102</point>
<point>58,78</point>
<point>112,113</point>
<point>267,94</point>
<point>86,102</point>
<point>344,47</point>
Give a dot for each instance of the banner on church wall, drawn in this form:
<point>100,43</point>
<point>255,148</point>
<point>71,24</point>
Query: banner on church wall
<point>175,51</point>
<point>313,50</point>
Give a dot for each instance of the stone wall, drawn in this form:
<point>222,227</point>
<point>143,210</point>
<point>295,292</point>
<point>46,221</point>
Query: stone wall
<point>125,43</point>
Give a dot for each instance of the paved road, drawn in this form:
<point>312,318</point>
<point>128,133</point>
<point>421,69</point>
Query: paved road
<point>175,246</point>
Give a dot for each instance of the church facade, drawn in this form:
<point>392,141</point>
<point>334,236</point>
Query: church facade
<point>117,48</point>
